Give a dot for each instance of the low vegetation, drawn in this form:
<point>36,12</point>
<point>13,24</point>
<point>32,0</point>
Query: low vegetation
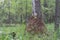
<point>20,30</point>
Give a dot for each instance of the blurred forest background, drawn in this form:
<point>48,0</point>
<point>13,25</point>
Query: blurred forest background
<point>14,15</point>
<point>17,11</point>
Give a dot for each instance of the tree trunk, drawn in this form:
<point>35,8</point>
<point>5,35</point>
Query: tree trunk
<point>26,20</point>
<point>57,17</point>
<point>9,20</point>
<point>57,14</point>
<point>36,8</point>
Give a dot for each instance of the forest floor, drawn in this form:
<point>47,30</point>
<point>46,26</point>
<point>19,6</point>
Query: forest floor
<point>20,29</point>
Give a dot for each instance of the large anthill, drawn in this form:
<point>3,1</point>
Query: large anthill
<point>36,25</point>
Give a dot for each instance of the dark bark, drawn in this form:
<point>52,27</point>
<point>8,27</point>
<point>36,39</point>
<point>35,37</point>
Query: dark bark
<point>57,14</point>
<point>57,17</point>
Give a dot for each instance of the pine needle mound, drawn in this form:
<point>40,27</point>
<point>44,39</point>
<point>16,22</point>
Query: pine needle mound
<point>36,25</point>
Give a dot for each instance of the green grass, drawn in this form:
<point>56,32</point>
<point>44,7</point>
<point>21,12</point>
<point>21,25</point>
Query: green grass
<point>19,29</point>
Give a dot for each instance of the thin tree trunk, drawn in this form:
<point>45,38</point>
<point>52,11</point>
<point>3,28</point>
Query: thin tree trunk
<point>9,12</point>
<point>26,20</point>
<point>57,14</point>
<point>57,17</point>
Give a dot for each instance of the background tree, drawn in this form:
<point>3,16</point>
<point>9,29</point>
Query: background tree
<point>57,17</point>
